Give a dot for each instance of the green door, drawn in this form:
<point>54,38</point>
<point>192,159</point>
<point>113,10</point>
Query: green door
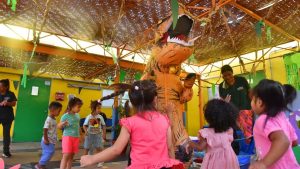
<point>32,110</point>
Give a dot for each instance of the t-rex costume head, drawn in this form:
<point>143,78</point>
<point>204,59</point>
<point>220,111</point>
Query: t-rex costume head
<point>172,48</point>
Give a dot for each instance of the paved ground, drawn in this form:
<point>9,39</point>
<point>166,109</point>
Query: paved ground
<point>28,155</point>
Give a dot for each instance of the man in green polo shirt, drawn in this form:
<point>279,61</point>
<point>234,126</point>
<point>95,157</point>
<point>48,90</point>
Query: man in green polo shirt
<point>235,89</point>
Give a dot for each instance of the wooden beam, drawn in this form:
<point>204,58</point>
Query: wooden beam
<point>256,16</point>
<point>117,80</point>
<point>229,31</point>
<point>52,50</point>
<point>213,4</point>
<point>198,7</point>
<point>138,48</point>
<point>200,102</point>
<point>219,5</point>
<point>193,2</point>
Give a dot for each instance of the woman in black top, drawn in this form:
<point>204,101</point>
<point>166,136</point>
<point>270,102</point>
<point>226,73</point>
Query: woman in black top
<point>7,102</point>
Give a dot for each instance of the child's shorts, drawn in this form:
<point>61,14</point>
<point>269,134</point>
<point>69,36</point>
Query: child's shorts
<point>70,144</point>
<point>93,141</point>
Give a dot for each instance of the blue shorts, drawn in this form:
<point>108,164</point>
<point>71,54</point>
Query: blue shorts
<point>93,141</point>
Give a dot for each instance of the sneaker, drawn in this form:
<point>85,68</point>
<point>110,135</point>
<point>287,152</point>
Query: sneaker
<point>100,165</point>
<point>38,166</point>
<point>6,155</point>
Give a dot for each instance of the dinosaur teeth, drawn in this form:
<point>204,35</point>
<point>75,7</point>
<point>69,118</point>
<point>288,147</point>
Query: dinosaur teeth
<point>185,15</point>
<point>181,42</point>
<point>191,42</point>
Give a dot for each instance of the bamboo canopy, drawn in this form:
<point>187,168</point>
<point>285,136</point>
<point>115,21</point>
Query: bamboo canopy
<point>227,28</point>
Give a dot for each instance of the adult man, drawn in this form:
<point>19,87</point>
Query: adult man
<point>235,89</point>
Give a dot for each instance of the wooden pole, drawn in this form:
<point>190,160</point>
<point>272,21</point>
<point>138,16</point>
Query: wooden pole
<point>117,79</point>
<point>200,102</point>
<point>115,116</point>
<point>198,7</point>
<point>213,2</point>
<point>254,15</point>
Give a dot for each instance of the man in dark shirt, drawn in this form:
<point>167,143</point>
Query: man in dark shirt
<point>7,102</point>
<point>235,89</point>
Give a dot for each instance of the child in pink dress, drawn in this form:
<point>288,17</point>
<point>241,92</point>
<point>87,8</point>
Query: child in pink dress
<point>148,131</point>
<point>273,134</point>
<point>217,139</point>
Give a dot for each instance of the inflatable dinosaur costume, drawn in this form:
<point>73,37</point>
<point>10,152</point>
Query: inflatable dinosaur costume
<point>172,48</point>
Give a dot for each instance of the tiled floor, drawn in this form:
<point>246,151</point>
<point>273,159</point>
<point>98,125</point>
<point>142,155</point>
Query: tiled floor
<point>27,154</point>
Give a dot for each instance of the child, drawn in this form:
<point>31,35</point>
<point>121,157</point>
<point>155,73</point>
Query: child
<point>70,141</point>
<point>148,131</point>
<point>273,134</point>
<point>217,138</point>
<point>50,136</point>
<point>93,125</point>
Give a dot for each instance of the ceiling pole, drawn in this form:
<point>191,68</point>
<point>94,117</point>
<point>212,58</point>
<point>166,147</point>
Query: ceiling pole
<point>200,102</point>
<point>232,40</point>
<point>254,15</point>
<point>213,2</point>
<point>198,7</point>
<point>229,30</point>
<point>137,48</point>
<point>221,4</point>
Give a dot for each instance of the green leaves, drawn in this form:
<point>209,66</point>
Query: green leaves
<point>24,77</point>
<point>174,9</point>
<point>137,76</point>
<point>122,75</point>
<point>213,89</point>
<point>269,34</point>
<point>13,4</point>
<point>191,59</point>
<point>258,28</point>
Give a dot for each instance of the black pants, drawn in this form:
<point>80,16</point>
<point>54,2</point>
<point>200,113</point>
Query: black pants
<point>6,134</point>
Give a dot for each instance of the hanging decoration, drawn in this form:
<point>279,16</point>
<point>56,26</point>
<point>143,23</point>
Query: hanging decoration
<point>213,89</point>
<point>137,76</point>
<point>203,23</point>
<point>79,90</point>
<point>122,75</point>
<point>13,4</point>
<point>16,84</point>
<point>24,77</point>
<point>259,26</point>
<point>109,80</point>
<point>191,59</point>
<point>174,9</point>
<point>109,49</point>
<point>269,34</point>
